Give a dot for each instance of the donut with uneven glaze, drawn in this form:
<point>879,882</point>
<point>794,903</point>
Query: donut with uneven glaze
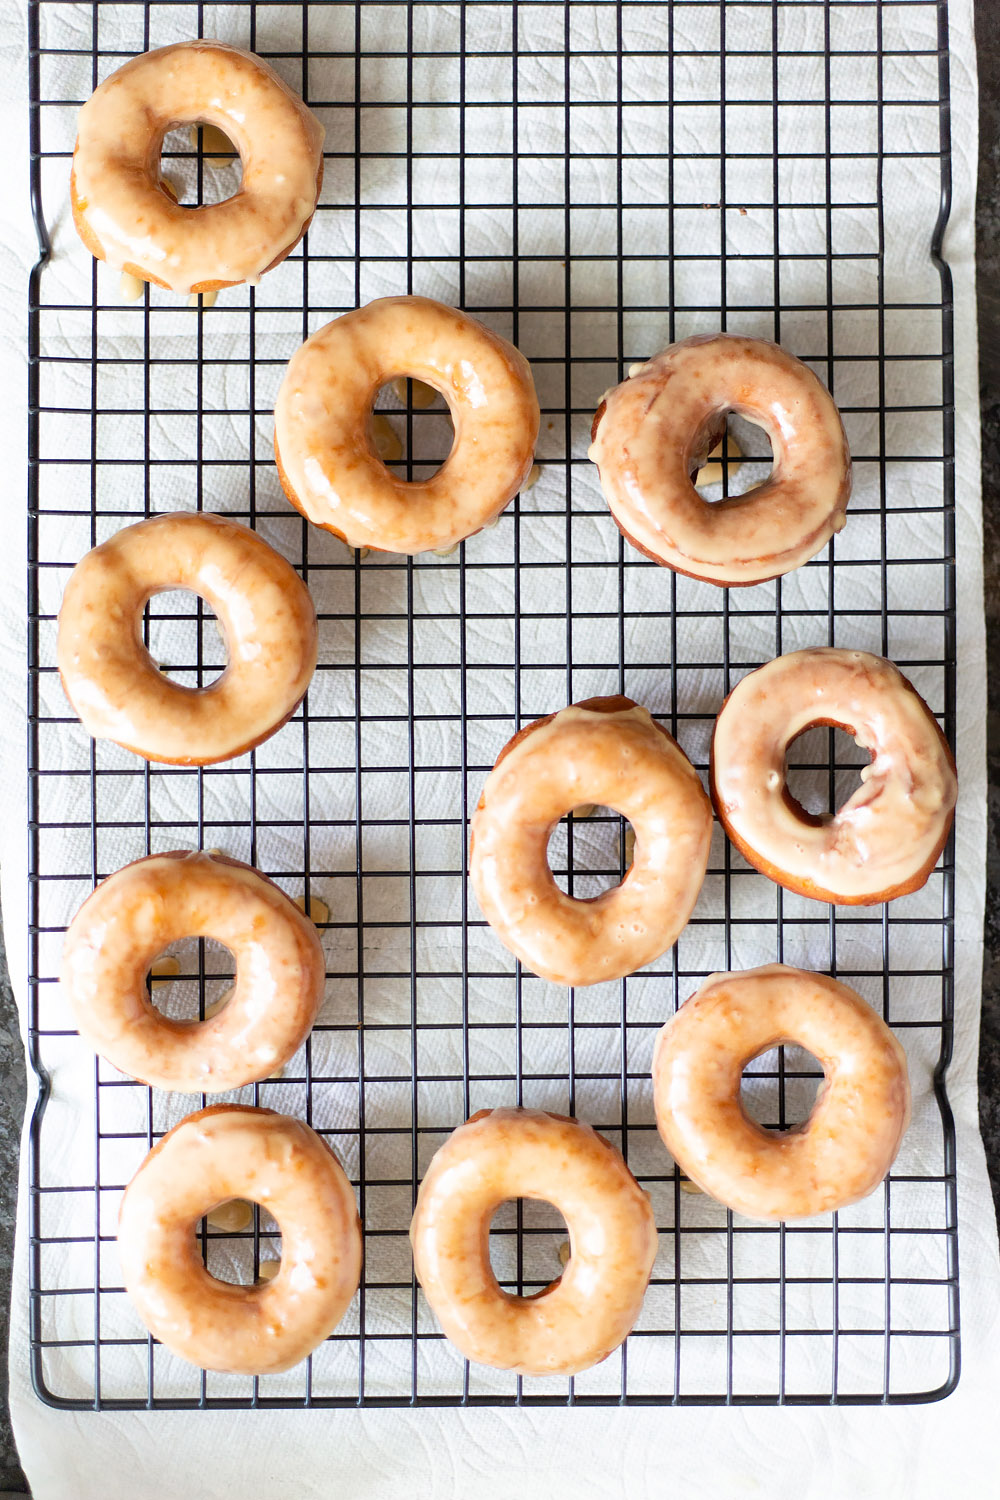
<point>130,919</point>
<point>842,1151</point>
<point>654,432</point>
<point>325,447</point>
<point>228,1151</point>
<point>265,613</point>
<point>885,841</point>
<point>125,213</point>
<point>582,1316</point>
<point>606,751</point>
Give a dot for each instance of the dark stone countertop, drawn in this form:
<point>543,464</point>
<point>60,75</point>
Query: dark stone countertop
<point>988,278</point>
<point>12,1094</point>
<point>12,1066</point>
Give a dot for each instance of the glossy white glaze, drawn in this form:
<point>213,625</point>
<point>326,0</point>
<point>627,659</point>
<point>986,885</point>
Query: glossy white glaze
<point>888,835</point>
<point>270,1159</point>
<point>122,209</point>
<point>583,1315</point>
<point>658,427</point>
<point>132,917</point>
<point>265,613</point>
<point>851,1138</point>
<point>324,444</point>
<point>618,759</point>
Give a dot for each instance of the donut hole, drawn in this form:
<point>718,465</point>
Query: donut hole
<point>228,1237</point>
<point>525,1239</point>
<point>590,851</point>
<point>739,460</point>
<point>183,637</point>
<point>780,1086</point>
<point>192,979</point>
<point>412,428</point>
<point>201,165</point>
<point>823,769</point>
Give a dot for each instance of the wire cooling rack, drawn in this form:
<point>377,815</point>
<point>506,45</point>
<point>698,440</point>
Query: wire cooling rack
<point>593,180</point>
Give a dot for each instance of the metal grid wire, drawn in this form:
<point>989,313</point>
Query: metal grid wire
<point>546,167</point>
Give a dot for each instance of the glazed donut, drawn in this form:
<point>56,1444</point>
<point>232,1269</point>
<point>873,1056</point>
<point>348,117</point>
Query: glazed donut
<point>653,433</point>
<point>610,752</point>
<point>226,1151</point>
<point>851,1138</point>
<point>324,445</point>
<point>265,614</point>
<point>126,215</point>
<point>885,840</point>
<point>128,921</point>
<point>582,1316</point>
